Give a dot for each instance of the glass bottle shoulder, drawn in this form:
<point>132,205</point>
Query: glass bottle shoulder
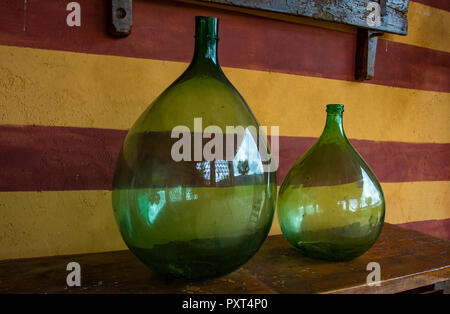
<point>206,95</point>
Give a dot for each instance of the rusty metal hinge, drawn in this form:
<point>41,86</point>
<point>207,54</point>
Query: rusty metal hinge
<point>120,13</point>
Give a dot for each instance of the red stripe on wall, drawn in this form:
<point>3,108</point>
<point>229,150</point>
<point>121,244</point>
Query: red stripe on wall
<point>41,158</point>
<point>439,4</point>
<point>437,228</point>
<point>164,30</point>
<point>390,161</point>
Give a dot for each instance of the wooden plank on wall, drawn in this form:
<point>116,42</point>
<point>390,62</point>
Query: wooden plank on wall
<point>381,15</point>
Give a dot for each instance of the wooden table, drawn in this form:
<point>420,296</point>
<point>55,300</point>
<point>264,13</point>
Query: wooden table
<point>408,260</point>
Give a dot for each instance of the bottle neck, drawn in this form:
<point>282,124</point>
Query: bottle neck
<point>205,51</point>
<point>334,124</point>
<point>334,128</point>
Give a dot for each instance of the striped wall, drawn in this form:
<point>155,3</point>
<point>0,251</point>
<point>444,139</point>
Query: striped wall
<point>68,95</point>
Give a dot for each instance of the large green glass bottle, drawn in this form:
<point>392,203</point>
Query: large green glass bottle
<point>331,205</point>
<point>186,214</point>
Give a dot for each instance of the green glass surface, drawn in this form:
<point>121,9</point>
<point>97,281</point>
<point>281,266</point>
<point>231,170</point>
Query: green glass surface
<point>194,219</point>
<point>331,205</point>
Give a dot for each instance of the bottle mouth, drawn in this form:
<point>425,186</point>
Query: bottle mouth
<point>206,26</point>
<point>335,108</point>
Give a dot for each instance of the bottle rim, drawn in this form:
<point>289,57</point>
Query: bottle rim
<point>335,108</point>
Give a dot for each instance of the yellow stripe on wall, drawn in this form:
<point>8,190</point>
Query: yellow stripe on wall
<point>416,201</point>
<point>69,222</point>
<point>410,201</point>
<point>56,223</point>
<point>427,27</point>
<point>57,88</point>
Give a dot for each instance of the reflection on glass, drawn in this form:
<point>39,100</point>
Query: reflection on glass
<point>248,160</point>
<point>331,205</point>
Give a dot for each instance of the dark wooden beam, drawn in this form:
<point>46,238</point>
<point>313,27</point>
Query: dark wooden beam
<point>382,15</point>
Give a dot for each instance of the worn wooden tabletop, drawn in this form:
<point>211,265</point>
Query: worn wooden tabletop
<point>408,260</point>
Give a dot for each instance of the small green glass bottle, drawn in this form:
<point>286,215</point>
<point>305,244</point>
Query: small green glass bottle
<point>331,205</point>
<point>193,217</point>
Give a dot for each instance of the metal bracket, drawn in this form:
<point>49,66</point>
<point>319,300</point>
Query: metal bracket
<point>120,13</point>
<point>366,50</point>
